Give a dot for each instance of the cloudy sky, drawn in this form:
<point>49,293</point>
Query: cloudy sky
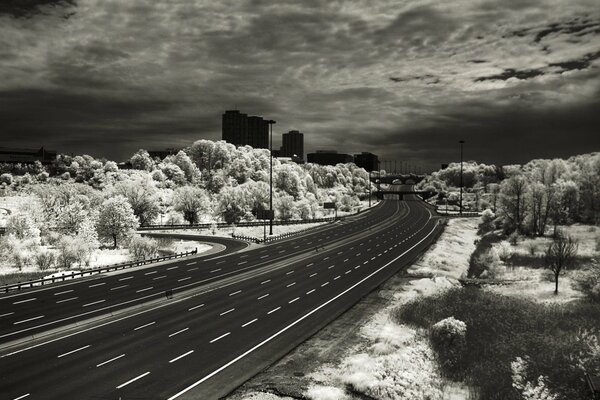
<point>516,79</point>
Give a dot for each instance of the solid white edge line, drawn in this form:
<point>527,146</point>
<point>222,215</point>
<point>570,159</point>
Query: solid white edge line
<point>22,397</point>
<point>181,356</point>
<point>296,322</point>
<point>111,360</point>
<point>132,380</point>
<point>92,303</point>
<point>73,351</point>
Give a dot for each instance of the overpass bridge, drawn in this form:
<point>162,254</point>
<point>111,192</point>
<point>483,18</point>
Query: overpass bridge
<point>404,179</point>
<point>401,193</point>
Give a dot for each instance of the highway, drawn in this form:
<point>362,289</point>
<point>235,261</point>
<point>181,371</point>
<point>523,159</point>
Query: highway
<point>202,344</point>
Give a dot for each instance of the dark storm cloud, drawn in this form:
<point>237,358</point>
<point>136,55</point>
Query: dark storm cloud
<point>402,79</point>
<point>27,8</point>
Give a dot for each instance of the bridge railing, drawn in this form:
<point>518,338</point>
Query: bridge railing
<point>100,270</point>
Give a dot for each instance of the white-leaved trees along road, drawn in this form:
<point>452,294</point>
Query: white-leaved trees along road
<point>116,219</point>
<point>190,201</point>
<point>142,196</point>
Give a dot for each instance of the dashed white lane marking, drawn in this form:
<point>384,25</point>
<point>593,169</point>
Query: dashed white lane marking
<point>25,301</point>
<point>74,351</point>
<point>184,279</point>
<point>22,397</point>
<point>195,307</point>
<point>265,256</point>
<point>290,272</point>
<point>133,380</point>
<point>262,297</point>
<point>296,247</point>
<point>65,300</point>
<point>227,312</point>
<point>7,314</point>
<point>291,284</point>
<point>243,262</point>
<point>347,272</point>
<point>366,262</point>
<point>193,269</point>
<point>98,284</point>
<point>293,300</point>
<point>151,272</point>
<point>372,258</point>
<point>126,278</point>
<point>63,292</point>
<point>339,252</point>
<point>159,277</point>
<point>109,361</point>
<point>308,265</point>
<point>326,258</point>
<point>191,263</point>
<point>215,270</point>
<point>143,290</point>
<point>311,275</point>
<point>357,267</point>
<point>331,266</point>
<point>336,278</point>
<point>236,292</point>
<point>310,291</point>
<point>170,268</point>
<point>178,332</point>
<point>244,256</point>
<point>281,251</point>
<point>249,322</point>
<point>267,281</point>
<point>93,303</point>
<point>28,319</point>
<point>118,287</point>
<point>181,356</point>
<point>346,260</point>
<point>273,310</point>
<point>220,262</point>
<point>358,254</point>
<point>220,337</point>
<point>144,326</point>
<point>325,284</point>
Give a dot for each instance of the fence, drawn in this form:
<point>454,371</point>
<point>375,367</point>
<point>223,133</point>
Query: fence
<point>108,268</point>
<point>243,223</point>
<point>269,238</point>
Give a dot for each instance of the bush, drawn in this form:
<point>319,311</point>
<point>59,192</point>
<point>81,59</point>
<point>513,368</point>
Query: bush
<point>142,247</point>
<point>513,239</point>
<point>504,251</point>
<point>489,263</point>
<point>44,259</point>
<point>531,247</point>
<point>588,281</point>
<point>448,337</point>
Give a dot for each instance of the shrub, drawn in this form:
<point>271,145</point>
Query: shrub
<point>44,259</point>
<point>448,337</point>
<point>489,263</point>
<point>588,281</point>
<point>165,243</point>
<point>142,247</point>
<point>6,178</point>
<point>513,238</point>
<point>504,251</point>
<point>531,248</point>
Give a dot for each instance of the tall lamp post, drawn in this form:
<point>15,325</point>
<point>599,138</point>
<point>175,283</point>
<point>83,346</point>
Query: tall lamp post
<point>369,183</point>
<point>271,122</point>
<point>461,176</point>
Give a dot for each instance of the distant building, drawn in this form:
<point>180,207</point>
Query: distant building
<point>328,157</point>
<point>162,154</point>
<point>26,156</point>
<point>366,160</point>
<point>258,133</point>
<point>293,144</point>
<point>235,127</point>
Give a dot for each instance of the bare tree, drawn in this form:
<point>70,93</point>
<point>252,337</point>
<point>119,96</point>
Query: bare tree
<point>560,254</point>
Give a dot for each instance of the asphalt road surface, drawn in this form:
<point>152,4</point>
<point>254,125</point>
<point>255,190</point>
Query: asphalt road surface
<point>202,345</point>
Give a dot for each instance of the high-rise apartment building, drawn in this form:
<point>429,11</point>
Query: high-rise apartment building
<point>258,133</point>
<point>293,144</point>
<point>235,127</point>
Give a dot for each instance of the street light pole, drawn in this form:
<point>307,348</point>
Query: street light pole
<point>271,122</point>
<point>461,176</point>
<point>369,183</point>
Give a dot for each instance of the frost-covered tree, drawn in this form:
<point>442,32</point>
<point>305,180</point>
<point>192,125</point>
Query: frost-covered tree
<point>141,160</point>
<point>190,201</point>
<point>142,196</point>
<point>513,196</point>
<point>116,219</point>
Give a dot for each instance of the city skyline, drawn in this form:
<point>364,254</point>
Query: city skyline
<point>402,80</point>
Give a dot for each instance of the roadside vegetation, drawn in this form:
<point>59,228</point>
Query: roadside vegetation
<point>80,212</point>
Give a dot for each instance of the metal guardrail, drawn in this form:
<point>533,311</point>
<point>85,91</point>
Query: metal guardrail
<point>108,268</point>
<point>242,224</point>
<point>272,238</point>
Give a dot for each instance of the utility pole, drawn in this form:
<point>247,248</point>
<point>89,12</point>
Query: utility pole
<point>461,176</point>
<point>369,183</point>
<point>272,214</point>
